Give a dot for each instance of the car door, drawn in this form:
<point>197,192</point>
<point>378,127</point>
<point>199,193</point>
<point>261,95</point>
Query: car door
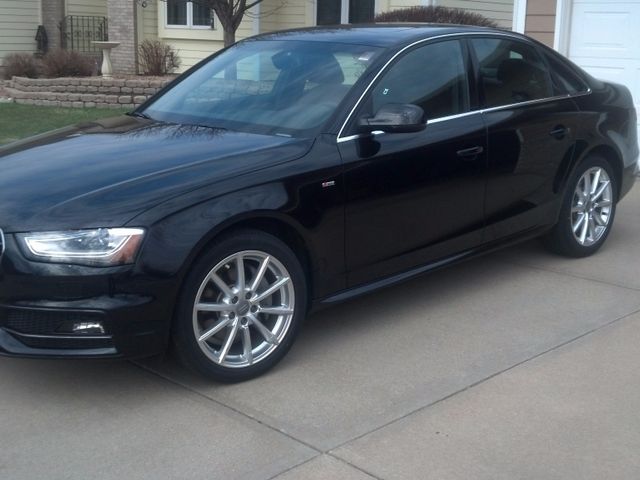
<point>531,130</point>
<point>413,198</point>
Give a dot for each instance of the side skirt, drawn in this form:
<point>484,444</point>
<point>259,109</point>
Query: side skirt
<point>366,288</point>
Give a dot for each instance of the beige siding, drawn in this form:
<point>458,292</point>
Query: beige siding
<point>285,14</point>
<point>541,18</point>
<point>395,4</point>
<point>269,19</point>
<point>149,21</point>
<point>192,51</point>
<point>195,44</point>
<point>501,11</point>
<point>19,20</point>
<point>92,8</point>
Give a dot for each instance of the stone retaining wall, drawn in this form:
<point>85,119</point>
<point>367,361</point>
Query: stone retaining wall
<point>84,92</point>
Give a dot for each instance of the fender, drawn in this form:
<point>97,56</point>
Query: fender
<point>295,199</point>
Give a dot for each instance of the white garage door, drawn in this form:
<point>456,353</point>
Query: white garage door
<point>604,39</point>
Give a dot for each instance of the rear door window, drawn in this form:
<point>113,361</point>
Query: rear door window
<point>510,72</point>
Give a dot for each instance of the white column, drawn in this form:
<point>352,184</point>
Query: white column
<point>519,15</point>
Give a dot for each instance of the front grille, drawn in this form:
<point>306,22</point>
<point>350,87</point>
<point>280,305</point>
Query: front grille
<point>45,322</point>
<point>65,343</point>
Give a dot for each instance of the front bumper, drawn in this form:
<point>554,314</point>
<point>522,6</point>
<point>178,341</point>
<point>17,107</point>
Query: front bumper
<point>44,307</point>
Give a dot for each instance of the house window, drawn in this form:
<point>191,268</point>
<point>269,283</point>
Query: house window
<point>188,14</point>
<point>332,12</point>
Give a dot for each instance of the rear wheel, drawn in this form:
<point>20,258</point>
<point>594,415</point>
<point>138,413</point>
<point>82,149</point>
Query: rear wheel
<point>588,210</point>
<point>240,308</point>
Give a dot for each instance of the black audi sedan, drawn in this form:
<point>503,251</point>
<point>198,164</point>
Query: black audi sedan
<point>294,170</point>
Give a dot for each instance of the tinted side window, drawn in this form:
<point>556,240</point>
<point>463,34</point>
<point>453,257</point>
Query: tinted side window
<point>432,77</point>
<point>510,72</point>
<point>564,80</point>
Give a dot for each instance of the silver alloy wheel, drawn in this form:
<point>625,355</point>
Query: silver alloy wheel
<point>591,206</point>
<point>243,309</point>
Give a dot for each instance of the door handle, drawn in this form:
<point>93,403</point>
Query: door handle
<point>470,153</point>
<point>559,132</point>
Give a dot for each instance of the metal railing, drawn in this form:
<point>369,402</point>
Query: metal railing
<point>79,31</point>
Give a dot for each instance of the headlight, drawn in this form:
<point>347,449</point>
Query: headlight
<point>99,247</point>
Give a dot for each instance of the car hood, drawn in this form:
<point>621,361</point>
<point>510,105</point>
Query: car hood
<point>106,172</point>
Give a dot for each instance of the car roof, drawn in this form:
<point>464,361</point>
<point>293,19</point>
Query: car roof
<point>375,35</point>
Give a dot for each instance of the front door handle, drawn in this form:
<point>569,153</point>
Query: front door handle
<point>470,153</point>
<point>559,132</point>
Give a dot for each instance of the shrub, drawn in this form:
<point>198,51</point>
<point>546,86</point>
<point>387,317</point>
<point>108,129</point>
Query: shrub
<point>67,63</point>
<point>433,14</point>
<point>21,65</point>
<point>157,58</point>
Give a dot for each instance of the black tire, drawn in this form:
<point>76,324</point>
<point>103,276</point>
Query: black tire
<point>561,238</point>
<point>196,355</point>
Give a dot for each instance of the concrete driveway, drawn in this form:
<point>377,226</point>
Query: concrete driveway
<point>518,365</point>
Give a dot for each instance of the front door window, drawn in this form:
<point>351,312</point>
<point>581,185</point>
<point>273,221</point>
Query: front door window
<point>432,76</point>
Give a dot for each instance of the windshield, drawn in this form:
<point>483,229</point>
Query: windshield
<point>271,87</point>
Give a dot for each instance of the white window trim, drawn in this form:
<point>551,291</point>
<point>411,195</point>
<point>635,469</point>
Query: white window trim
<point>519,16</point>
<point>562,27</point>
<point>189,23</point>
<point>344,11</point>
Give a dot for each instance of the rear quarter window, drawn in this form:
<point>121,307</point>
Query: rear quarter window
<point>565,81</point>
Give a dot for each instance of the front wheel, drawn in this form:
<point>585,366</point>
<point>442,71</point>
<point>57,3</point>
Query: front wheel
<point>587,211</point>
<point>240,307</point>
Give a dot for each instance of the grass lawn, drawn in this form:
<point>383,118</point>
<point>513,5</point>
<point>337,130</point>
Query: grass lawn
<point>19,121</point>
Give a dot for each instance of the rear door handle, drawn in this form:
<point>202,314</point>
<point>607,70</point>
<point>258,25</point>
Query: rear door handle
<point>559,132</point>
<point>470,153</point>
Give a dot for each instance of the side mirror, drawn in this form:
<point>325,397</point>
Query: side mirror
<point>395,118</point>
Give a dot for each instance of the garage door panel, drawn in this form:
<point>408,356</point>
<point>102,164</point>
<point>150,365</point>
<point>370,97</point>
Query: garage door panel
<point>610,69</point>
<point>610,30</point>
<point>604,39</point>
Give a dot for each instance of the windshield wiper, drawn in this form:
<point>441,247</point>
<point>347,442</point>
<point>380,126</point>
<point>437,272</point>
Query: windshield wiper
<point>139,115</point>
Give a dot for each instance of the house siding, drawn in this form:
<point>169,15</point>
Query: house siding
<point>501,11</point>
<point>541,19</point>
<point>19,20</point>
<point>284,14</point>
<point>149,16</point>
<point>196,44</point>
<point>91,8</point>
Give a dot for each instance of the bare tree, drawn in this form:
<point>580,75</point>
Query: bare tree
<point>230,14</point>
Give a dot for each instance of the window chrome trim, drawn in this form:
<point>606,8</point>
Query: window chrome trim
<point>537,100</point>
<point>348,138</point>
<point>3,242</point>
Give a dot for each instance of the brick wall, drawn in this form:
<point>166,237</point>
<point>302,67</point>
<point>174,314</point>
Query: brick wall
<point>52,15</point>
<point>122,28</point>
<point>84,92</point>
